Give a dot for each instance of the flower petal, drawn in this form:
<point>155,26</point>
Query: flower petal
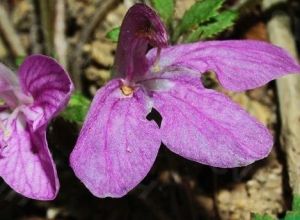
<point>26,164</point>
<point>205,126</point>
<point>140,29</point>
<point>49,85</point>
<point>163,81</point>
<point>117,144</point>
<point>239,64</point>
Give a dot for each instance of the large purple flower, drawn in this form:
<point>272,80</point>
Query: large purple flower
<point>27,105</point>
<point>118,145</point>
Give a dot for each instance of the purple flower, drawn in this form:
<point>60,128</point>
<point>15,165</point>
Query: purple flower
<point>118,145</point>
<point>27,105</point>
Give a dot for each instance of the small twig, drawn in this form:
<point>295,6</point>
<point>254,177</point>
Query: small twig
<point>34,30</point>
<point>47,8</point>
<point>129,3</point>
<point>104,8</point>
<point>3,50</point>
<point>9,34</point>
<point>42,30</point>
<point>288,92</point>
<point>60,41</point>
<point>241,5</point>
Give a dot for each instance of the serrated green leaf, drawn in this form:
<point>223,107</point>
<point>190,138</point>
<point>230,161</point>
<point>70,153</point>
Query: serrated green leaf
<point>261,217</point>
<point>77,108</point>
<point>200,12</point>
<point>165,9</point>
<point>218,24</point>
<point>296,203</point>
<point>113,35</point>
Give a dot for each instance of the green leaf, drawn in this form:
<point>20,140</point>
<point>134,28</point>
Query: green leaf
<point>295,213</point>
<point>165,9</point>
<point>77,108</point>
<point>113,35</point>
<point>200,12</point>
<point>261,217</point>
<point>296,203</point>
<point>292,216</point>
<point>19,60</point>
<point>218,24</point>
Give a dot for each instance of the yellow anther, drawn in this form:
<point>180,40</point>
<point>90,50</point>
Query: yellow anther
<point>126,90</point>
<point>7,133</point>
<point>156,68</point>
<point>2,102</point>
<point>4,130</point>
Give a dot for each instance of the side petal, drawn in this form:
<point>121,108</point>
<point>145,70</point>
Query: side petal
<point>26,164</point>
<point>207,127</point>
<point>117,144</point>
<point>48,83</point>
<point>239,64</point>
<point>141,28</point>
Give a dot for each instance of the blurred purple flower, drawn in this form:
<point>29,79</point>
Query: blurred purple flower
<point>118,145</point>
<point>27,105</point>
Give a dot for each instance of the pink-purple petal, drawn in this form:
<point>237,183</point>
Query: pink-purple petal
<point>140,29</point>
<point>49,85</point>
<point>239,64</point>
<point>117,144</point>
<point>164,80</point>
<point>207,127</point>
<point>26,164</point>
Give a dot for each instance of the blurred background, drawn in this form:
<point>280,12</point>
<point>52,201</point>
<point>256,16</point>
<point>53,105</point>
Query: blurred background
<point>74,32</point>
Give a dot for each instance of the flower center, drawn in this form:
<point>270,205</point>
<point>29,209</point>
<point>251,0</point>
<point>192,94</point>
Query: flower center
<point>127,90</point>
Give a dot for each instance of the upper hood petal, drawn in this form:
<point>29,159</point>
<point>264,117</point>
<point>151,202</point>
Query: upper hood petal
<point>140,29</point>
<point>50,86</point>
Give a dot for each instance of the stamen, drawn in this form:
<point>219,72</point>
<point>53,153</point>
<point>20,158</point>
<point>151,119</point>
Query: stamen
<point>127,90</point>
<point>7,133</point>
<point>2,102</point>
<point>156,68</point>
